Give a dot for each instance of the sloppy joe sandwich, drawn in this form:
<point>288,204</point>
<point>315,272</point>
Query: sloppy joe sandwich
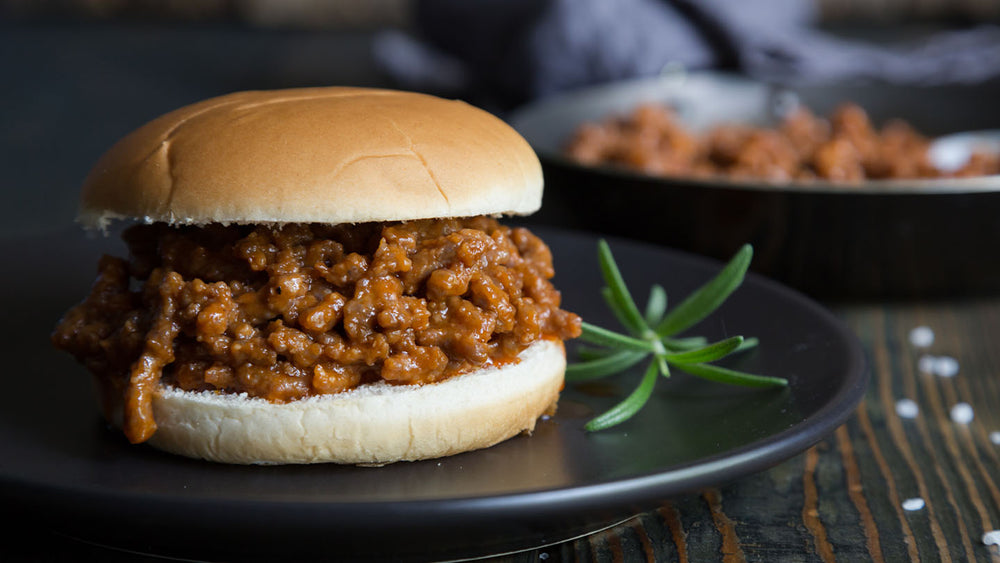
<point>319,275</point>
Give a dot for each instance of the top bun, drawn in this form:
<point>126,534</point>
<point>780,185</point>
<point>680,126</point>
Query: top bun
<point>327,155</point>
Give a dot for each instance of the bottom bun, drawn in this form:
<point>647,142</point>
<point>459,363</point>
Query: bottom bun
<point>374,424</point>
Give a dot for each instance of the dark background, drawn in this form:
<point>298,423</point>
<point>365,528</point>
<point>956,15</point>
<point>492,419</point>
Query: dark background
<point>77,75</point>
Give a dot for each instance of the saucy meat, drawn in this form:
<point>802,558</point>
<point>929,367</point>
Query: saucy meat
<point>298,310</point>
<point>846,147</point>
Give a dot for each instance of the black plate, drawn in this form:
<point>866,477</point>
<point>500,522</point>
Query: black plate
<point>876,239</point>
<point>60,463</point>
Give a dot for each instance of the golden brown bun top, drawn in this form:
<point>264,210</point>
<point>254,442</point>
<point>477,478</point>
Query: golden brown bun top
<point>328,155</point>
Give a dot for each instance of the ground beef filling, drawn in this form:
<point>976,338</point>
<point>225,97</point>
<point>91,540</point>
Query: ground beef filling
<point>288,312</point>
<point>846,147</point>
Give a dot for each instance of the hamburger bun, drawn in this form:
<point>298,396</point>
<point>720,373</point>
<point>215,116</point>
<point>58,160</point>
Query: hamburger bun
<point>373,424</point>
<point>333,156</point>
<point>323,155</point>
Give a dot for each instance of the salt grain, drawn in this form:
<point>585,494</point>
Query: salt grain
<point>945,366</point>
<point>922,336</point>
<point>995,438</point>
<point>992,538</point>
<point>926,363</point>
<point>962,413</point>
<point>911,504</point>
<point>907,408</point>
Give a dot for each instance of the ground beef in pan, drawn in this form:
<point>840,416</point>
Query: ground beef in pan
<point>846,148</point>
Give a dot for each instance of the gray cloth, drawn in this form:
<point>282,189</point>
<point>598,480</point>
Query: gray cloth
<point>511,51</point>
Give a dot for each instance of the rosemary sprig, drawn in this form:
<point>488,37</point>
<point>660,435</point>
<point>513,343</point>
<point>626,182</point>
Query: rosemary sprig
<point>652,333</point>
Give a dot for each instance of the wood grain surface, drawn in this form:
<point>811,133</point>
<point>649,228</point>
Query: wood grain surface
<point>842,500</point>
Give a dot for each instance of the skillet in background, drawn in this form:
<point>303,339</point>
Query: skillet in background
<point>876,239</point>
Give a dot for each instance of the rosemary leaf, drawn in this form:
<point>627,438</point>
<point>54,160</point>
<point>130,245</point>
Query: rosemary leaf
<point>614,363</point>
<point>748,344</point>
<point>708,297</point>
<point>624,304</point>
<point>682,344</point>
<point>618,352</point>
<point>731,376</point>
<point>616,307</point>
<point>708,353</point>
<point>587,353</point>
<point>604,337</point>
<point>656,306</point>
<point>631,405</point>
<point>663,365</point>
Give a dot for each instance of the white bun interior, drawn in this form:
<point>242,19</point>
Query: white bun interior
<point>373,424</point>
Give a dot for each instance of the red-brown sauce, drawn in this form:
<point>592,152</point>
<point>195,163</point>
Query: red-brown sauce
<point>288,312</point>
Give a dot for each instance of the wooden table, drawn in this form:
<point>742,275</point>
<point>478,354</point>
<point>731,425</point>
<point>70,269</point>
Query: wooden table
<point>842,500</point>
